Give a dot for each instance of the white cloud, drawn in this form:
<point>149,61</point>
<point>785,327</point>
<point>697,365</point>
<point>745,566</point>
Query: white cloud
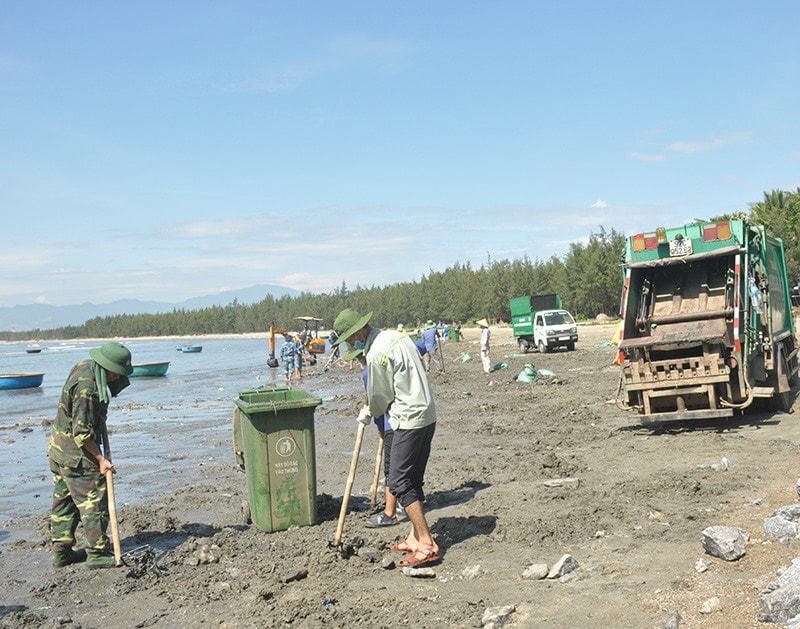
<point>600,204</point>
<point>695,147</point>
<point>704,146</point>
<point>644,157</point>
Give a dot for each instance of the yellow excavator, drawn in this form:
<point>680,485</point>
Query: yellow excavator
<point>313,344</point>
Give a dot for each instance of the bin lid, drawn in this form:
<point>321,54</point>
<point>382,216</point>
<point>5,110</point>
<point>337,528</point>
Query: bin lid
<point>274,399</point>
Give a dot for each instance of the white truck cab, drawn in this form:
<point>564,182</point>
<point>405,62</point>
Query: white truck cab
<point>554,328</point>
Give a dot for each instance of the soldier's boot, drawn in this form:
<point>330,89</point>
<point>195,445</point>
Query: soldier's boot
<point>100,560</point>
<point>65,555</point>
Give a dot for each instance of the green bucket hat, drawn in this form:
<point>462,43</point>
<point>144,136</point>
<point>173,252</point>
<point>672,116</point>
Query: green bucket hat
<point>114,357</point>
<point>352,354</point>
<point>347,323</point>
<point>430,324</point>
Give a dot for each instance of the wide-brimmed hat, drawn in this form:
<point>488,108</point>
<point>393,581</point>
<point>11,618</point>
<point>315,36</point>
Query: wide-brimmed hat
<point>347,323</point>
<point>353,353</point>
<point>483,323</point>
<point>430,324</point>
<point>114,357</point>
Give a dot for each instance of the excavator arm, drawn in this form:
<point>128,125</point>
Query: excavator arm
<point>272,361</point>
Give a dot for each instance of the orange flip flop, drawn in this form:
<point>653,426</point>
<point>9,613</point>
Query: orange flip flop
<point>429,556</point>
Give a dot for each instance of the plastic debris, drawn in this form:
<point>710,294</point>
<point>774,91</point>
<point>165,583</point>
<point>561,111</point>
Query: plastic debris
<point>528,374</point>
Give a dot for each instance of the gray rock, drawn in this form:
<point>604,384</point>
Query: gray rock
<point>701,565</point>
<point>419,573</point>
<point>495,617</point>
<point>472,572</point>
<point>726,542</point>
<point>779,527</point>
<point>563,566</point>
<point>569,483</point>
<point>789,512</point>
<point>674,621</point>
<point>536,571</point>
<point>779,605</point>
<point>711,605</point>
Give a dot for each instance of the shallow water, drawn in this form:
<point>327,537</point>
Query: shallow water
<point>167,425</point>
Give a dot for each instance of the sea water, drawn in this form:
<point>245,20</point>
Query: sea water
<point>173,423</point>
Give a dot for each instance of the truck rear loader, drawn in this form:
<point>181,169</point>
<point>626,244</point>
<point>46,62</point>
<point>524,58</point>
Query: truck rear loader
<point>707,324</point>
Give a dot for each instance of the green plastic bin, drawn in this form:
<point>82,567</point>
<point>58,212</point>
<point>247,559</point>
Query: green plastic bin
<point>273,434</point>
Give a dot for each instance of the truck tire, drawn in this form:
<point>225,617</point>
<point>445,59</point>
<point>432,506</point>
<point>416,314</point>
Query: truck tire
<point>523,346</point>
<point>543,349</point>
<point>782,401</point>
<point>570,347</point>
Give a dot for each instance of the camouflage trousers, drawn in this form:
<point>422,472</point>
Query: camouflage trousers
<point>79,497</point>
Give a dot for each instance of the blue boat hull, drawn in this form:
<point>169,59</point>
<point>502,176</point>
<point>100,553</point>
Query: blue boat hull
<point>20,380</point>
<point>150,370</point>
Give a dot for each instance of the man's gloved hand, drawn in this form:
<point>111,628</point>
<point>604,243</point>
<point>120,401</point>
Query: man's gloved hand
<point>364,416</point>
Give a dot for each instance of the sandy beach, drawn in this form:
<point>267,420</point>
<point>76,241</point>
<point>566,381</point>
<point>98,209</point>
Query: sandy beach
<point>521,474</point>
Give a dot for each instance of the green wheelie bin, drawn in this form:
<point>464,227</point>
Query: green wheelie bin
<point>273,442</point>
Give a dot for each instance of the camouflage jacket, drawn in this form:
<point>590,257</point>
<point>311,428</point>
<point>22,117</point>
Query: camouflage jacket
<point>81,416</point>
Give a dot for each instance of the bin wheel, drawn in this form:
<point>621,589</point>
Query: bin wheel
<point>246,512</point>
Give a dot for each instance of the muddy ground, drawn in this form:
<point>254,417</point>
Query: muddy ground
<point>632,517</point>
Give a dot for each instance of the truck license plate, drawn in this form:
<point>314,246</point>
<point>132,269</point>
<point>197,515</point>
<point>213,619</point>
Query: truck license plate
<point>681,247</point>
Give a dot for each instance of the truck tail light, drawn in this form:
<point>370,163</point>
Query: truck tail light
<point>640,242</point>
<point>661,236</point>
<point>717,231</point>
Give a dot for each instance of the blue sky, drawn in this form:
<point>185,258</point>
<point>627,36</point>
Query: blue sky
<point>167,150</point>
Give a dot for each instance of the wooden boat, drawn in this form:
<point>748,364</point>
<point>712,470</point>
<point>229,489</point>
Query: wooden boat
<point>150,370</point>
<point>20,380</point>
<point>190,349</point>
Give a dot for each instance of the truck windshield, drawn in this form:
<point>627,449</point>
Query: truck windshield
<point>558,318</point>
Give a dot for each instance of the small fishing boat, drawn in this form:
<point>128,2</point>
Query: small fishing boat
<point>33,349</point>
<point>190,349</point>
<point>150,370</point>
<point>20,380</point>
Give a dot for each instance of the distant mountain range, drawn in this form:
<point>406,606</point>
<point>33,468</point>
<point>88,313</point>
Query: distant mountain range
<point>45,317</point>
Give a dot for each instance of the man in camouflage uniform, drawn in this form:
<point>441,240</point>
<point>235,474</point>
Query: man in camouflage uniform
<point>77,464</point>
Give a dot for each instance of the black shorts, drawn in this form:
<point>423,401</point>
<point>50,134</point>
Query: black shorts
<point>409,458</point>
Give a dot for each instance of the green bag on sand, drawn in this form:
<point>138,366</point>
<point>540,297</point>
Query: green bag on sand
<point>499,366</point>
<point>528,374</point>
<point>465,358</point>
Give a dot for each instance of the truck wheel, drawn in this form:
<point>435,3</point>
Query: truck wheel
<point>570,347</point>
<point>782,401</point>
<point>543,349</point>
<point>523,346</point>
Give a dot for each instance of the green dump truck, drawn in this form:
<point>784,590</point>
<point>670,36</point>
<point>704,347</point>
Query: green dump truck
<point>540,322</point>
<point>707,323</point>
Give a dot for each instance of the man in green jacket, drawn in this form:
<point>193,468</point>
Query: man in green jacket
<point>76,461</point>
<point>398,386</point>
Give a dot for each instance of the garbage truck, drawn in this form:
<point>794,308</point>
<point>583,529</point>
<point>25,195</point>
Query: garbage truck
<point>539,322</point>
<point>706,322</point>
